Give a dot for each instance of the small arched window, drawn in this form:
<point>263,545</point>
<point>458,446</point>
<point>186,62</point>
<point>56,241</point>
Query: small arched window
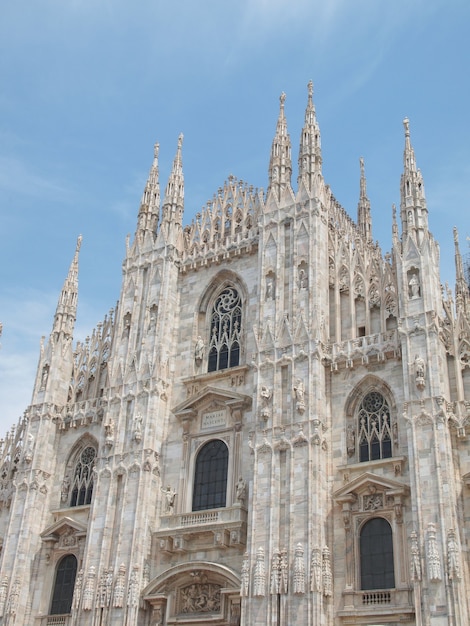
<point>375,436</point>
<point>376,550</point>
<point>82,482</point>
<point>62,595</point>
<point>210,476</point>
<point>224,340</point>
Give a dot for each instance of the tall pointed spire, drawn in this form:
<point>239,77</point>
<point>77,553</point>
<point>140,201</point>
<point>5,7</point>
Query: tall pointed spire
<point>310,158</point>
<point>173,203</point>
<point>150,204</point>
<point>280,164</point>
<point>364,220</point>
<point>414,213</point>
<point>66,311</point>
<point>461,287</point>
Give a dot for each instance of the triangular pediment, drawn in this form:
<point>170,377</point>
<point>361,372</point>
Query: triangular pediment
<point>63,526</point>
<point>369,483</point>
<point>211,397</point>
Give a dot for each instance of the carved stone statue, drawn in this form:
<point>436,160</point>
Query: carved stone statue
<point>170,497</point>
<point>241,490</point>
<point>64,492</point>
<point>351,440</point>
<point>199,350</point>
<point>299,391</point>
<point>420,371</point>
<point>137,434</point>
<point>414,287</point>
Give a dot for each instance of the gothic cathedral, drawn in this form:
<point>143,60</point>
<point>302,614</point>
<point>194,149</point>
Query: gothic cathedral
<point>271,428</point>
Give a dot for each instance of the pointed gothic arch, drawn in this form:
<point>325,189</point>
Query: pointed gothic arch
<point>221,321</point>
<point>371,426</point>
<point>78,482</point>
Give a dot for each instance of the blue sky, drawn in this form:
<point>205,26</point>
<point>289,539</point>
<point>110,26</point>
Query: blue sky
<point>88,86</point>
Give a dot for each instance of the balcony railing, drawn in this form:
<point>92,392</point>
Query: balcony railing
<point>56,620</point>
<point>224,516</point>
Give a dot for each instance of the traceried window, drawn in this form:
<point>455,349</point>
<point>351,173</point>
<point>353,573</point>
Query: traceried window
<point>82,483</point>
<point>224,341</point>
<point>376,549</point>
<point>62,595</point>
<point>375,437</point>
<point>210,476</point>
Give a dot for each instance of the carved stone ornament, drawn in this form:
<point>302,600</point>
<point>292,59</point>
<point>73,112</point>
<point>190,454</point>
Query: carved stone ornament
<point>299,570</point>
<point>89,591</point>
<point>68,539</point>
<point>433,557</point>
<point>77,591</point>
<point>259,577</point>
<point>119,589</point>
<point>274,586</point>
<point>245,576</point>
<point>415,558</point>
<point>13,598</point>
<point>327,576</point>
<point>284,582</point>
<point>316,570</point>
<point>453,560</point>
<point>3,594</point>
<point>199,598</point>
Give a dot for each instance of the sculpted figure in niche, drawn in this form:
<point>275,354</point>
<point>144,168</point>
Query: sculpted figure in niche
<point>414,286</point>
<point>241,490</point>
<point>45,374</point>
<point>303,280</point>
<point>350,440</point>
<point>299,391</point>
<point>199,350</point>
<point>170,497</point>
<point>269,288</point>
<point>127,325</point>
<point>64,492</point>
<point>420,371</point>
<point>109,431</point>
<point>137,427</point>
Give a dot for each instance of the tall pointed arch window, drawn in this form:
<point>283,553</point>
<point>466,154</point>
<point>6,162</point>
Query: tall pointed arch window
<point>81,489</point>
<point>375,435</point>
<point>210,476</point>
<point>62,595</point>
<point>225,332</point>
<point>376,549</point>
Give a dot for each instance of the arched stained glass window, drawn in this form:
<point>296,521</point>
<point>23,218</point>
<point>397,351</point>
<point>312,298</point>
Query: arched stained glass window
<point>376,548</point>
<point>375,436</point>
<point>224,341</point>
<point>62,595</point>
<point>82,483</point>
<point>210,476</point>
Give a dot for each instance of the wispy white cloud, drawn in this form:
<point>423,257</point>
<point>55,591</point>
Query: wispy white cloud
<point>19,176</point>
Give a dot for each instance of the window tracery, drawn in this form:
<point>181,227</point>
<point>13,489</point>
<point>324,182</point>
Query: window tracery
<point>224,342</point>
<point>82,483</point>
<point>374,428</point>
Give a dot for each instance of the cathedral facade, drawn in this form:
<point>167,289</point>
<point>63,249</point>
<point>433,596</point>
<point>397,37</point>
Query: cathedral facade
<point>271,427</point>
